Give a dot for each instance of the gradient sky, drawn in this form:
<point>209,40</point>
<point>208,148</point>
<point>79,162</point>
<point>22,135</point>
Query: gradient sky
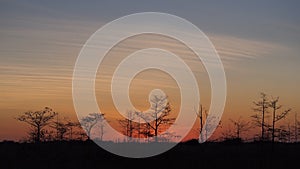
<point>258,43</point>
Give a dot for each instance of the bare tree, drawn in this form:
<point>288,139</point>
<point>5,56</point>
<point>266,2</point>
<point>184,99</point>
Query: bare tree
<point>89,121</point>
<point>289,133</point>
<point>228,133</point>
<point>201,120</point>
<point>296,128</point>
<point>283,133</point>
<point>101,125</point>
<point>64,128</point>
<point>160,111</point>
<point>128,124</point>
<point>240,126</point>
<point>209,127</point>
<point>274,105</point>
<point>71,125</point>
<point>145,130</point>
<point>261,107</point>
<point>203,131</point>
<point>37,120</point>
<point>61,128</point>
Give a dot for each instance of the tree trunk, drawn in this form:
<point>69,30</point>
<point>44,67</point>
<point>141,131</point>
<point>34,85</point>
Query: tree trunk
<point>71,133</point>
<point>38,134</point>
<point>201,122</point>
<point>296,128</point>
<point>89,134</point>
<point>101,137</point>
<point>263,121</point>
<point>273,124</point>
<point>156,128</point>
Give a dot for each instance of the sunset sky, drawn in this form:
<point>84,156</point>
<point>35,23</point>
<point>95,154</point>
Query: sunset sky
<point>258,43</point>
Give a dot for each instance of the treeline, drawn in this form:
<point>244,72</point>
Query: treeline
<point>268,112</point>
<point>45,125</point>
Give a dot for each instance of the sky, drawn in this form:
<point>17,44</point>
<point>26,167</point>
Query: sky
<point>258,43</point>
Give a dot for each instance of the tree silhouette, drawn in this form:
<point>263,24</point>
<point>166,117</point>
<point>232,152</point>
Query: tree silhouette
<point>160,110</point>
<point>201,120</point>
<point>209,127</point>
<point>89,121</point>
<point>128,124</point>
<point>61,127</point>
<point>296,128</point>
<point>145,130</point>
<point>261,107</point>
<point>71,125</point>
<point>274,105</point>
<point>37,120</point>
<point>284,133</point>
<point>240,126</point>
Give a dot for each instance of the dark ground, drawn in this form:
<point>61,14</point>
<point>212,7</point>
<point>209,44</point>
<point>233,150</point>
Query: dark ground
<point>87,155</point>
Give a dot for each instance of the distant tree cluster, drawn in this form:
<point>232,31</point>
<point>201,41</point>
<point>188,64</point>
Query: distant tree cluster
<point>269,107</point>
<point>151,123</point>
<point>268,113</point>
<point>46,126</point>
<point>89,122</point>
<point>240,126</point>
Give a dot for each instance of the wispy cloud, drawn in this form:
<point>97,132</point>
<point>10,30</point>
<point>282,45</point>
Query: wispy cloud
<point>237,49</point>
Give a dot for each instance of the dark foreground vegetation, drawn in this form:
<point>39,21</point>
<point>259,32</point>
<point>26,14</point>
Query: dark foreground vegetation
<point>189,155</point>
